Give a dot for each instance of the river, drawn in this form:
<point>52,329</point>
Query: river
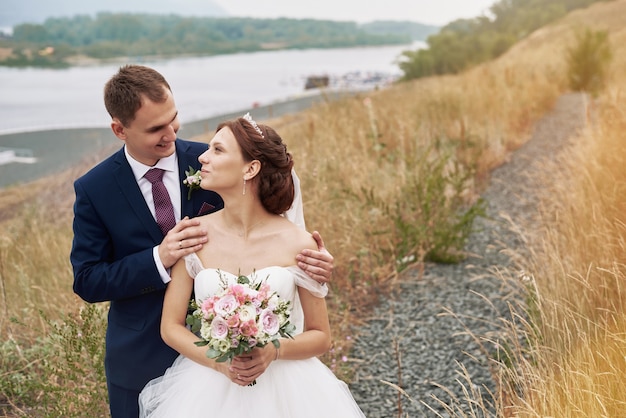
<point>49,116</point>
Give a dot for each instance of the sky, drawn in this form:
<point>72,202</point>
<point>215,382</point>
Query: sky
<point>432,12</point>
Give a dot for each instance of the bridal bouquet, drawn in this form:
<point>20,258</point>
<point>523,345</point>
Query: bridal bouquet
<point>243,315</point>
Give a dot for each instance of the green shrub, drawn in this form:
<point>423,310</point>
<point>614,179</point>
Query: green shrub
<point>588,61</point>
<point>62,373</point>
<point>431,221</point>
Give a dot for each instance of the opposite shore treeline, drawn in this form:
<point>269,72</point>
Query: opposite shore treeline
<point>58,41</point>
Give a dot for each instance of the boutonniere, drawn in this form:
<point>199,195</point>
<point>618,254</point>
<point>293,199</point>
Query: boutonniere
<point>192,181</point>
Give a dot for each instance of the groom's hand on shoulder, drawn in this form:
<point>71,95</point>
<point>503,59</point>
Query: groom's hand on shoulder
<point>317,264</point>
<point>185,238</point>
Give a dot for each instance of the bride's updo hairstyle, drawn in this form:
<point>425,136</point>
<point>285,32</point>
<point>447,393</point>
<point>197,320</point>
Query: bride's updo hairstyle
<point>260,142</point>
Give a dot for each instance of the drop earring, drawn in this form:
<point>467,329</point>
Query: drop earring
<point>244,186</point>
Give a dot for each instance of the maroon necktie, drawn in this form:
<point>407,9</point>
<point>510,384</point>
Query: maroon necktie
<point>162,203</point>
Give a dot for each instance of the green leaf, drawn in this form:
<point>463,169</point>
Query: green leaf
<point>289,330</point>
<point>243,280</point>
<point>223,358</point>
<point>213,353</point>
<point>196,326</point>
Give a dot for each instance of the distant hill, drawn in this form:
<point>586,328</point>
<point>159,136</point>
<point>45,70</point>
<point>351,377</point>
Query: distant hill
<point>416,31</point>
<point>13,12</point>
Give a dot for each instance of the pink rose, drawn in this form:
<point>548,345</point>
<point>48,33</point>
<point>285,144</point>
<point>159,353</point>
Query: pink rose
<point>225,305</point>
<point>248,329</point>
<point>207,307</point>
<point>233,321</point>
<point>239,292</point>
<point>269,321</point>
<point>249,295</point>
<point>219,328</point>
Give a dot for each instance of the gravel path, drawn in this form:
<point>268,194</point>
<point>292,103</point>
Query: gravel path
<point>418,339</point>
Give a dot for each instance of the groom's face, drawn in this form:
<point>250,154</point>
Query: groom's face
<point>152,134</point>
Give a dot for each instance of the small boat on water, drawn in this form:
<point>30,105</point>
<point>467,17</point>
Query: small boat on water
<point>356,80</point>
<point>316,82</point>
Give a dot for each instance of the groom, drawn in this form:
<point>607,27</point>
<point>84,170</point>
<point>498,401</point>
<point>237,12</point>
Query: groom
<point>120,253</point>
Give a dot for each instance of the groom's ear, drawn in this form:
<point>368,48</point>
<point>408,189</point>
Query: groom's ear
<point>118,129</point>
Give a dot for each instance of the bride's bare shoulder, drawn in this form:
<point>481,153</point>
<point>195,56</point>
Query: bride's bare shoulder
<point>208,220</point>
<point>298,238</point>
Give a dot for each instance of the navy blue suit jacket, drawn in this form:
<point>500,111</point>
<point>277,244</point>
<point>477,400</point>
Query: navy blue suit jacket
<point>114,234</point>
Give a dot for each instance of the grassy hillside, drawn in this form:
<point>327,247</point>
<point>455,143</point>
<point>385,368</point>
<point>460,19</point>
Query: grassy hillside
<point>384,174</point>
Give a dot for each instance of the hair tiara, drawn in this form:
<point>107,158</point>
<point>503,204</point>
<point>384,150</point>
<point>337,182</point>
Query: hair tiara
<point>251,121</point>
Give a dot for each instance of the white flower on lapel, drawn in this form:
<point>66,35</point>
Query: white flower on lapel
<point>192,181</point>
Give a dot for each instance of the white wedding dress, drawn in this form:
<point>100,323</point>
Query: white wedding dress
<point>287,389</point>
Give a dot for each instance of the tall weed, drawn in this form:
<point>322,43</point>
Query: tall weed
<point>588,61</point>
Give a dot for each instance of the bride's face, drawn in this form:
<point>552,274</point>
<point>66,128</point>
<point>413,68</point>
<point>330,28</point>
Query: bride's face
<point>222,164</point>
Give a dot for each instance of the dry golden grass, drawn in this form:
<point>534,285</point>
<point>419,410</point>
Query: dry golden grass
<point>577,360</point>
<point>368,146</point>
<point>575,364</point>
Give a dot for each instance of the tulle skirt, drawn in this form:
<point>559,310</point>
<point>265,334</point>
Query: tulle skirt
<point>287,389</point>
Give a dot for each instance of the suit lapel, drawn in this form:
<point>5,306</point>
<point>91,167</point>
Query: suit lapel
<point>185,159</point>
<point>130,189</point>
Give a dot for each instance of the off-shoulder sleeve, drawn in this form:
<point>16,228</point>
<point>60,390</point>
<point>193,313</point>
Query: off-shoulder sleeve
<point>303,280</point>
<point>193,264</point>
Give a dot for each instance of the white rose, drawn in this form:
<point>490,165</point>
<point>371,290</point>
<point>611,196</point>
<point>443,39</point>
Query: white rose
<point>247,313</point>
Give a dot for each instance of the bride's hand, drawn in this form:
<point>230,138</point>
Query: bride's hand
<point>247,368</point>
<point>233,373</point>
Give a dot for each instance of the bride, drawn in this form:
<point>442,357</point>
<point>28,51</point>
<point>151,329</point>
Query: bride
<point>249,166</point>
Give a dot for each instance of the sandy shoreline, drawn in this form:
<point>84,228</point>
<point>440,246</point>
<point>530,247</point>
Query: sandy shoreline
<point>59,149</point>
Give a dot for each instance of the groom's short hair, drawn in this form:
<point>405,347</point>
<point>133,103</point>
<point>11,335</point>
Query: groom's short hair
<point>123,93</point>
